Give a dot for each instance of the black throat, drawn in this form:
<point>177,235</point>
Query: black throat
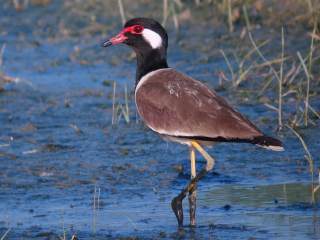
<point>150,60</point>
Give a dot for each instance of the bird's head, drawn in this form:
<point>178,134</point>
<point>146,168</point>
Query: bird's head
<point>142,34</point>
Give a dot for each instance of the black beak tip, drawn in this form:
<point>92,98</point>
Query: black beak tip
<point>107,43</point>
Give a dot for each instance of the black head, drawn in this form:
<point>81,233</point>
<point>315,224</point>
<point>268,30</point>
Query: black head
<point>142,34</point>
<point>148,39</point>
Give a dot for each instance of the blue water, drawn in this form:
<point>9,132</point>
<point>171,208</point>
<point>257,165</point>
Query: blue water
<point>65,169</point>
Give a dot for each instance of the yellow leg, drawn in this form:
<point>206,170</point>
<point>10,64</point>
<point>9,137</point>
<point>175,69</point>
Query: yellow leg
<point>176,202</point>
<point>209,159</point>
<point>193,162</point>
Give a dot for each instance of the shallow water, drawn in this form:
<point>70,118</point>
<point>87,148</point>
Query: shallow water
<point>66,169</point>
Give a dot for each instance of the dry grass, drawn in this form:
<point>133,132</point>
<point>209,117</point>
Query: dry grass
<point>3,237</point>
<point>310,161</point>
<point>170,10</point>
<point>285,71</point>
<point>280,81</point>
<point>120,110</point>
<point>121,10</point>
<point>96,207</point>
<point>4,78</point>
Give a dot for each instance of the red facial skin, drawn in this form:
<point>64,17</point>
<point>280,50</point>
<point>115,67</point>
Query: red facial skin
<point>121,37</point>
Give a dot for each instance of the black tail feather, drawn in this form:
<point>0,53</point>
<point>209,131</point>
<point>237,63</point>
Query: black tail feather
<point>262,141</point>
<point>268,142</point>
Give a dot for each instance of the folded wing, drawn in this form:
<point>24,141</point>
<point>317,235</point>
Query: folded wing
<point>174,104</point>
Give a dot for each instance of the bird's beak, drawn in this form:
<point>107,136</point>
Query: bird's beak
<point>107,43</point>
<point>120,38</point>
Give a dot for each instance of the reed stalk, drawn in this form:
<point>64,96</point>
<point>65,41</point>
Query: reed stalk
<point>305,113</point>
<point>121,10</point>
<point>280,124</point>
<point>309,158</point>
<point>113,103</point>
<point>230,21</point>
<point>165,12</point>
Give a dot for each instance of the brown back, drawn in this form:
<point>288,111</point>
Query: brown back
<point>174,104</point>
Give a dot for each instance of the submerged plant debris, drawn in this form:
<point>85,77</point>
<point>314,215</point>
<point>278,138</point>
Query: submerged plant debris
<point>67,170</point>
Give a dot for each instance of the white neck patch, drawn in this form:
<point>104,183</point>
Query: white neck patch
<point>153,38</point>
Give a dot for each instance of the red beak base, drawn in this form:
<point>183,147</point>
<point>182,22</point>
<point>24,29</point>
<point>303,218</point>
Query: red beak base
<point>120,38</point>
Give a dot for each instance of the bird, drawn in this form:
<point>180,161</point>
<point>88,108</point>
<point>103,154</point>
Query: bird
<point>182,109</point>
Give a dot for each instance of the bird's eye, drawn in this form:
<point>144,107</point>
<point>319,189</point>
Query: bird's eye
<point>137,29</point>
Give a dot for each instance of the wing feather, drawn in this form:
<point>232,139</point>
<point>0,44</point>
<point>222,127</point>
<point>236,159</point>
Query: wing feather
<point>174,104</point>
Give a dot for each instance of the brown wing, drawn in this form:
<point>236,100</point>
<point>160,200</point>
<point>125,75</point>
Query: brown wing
<point>174,104</point>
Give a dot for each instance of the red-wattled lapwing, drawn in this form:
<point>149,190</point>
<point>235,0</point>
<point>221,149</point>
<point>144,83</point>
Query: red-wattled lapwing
<point>180,108</point>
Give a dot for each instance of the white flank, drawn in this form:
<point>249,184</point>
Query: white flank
<point>273,148</point>
<point>153,38</point>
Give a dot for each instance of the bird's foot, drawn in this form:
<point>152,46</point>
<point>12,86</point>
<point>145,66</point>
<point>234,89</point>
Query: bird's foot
<point>176,205</point>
